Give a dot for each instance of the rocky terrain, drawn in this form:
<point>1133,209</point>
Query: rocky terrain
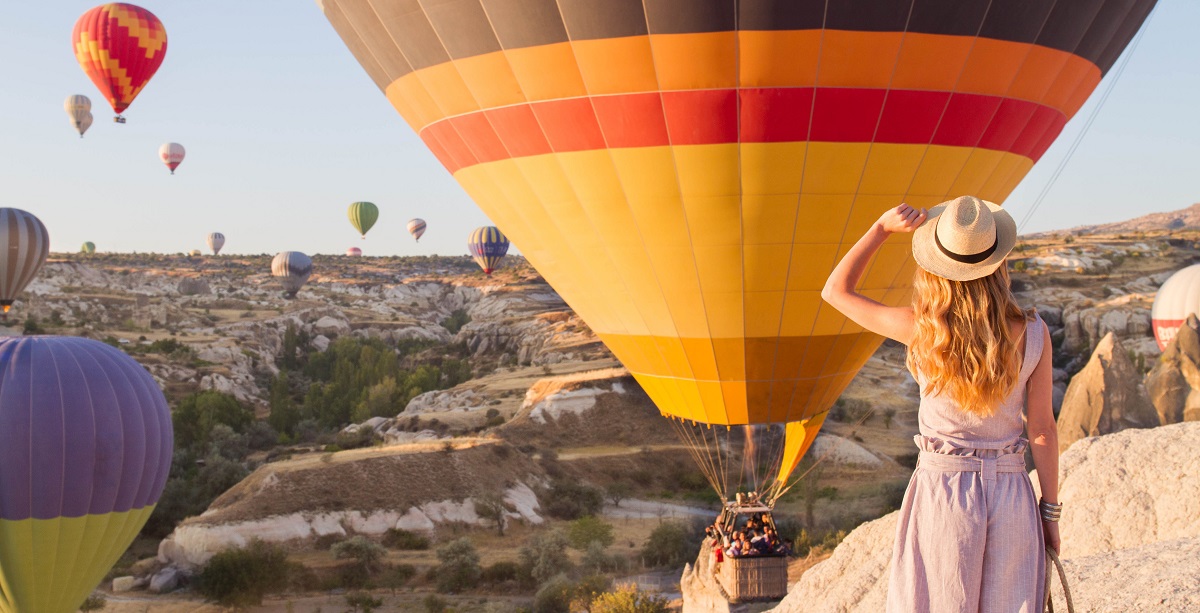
<point>545,402</point>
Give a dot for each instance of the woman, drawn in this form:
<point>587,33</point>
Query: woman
<point>970,535</point>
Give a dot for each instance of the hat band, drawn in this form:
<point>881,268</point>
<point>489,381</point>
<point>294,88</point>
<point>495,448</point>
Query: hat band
<point>973,258</point>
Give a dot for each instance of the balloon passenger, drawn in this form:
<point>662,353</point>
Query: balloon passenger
<point>970,533</point>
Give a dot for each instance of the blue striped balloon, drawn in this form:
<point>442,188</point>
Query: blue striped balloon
<point>488,246</point>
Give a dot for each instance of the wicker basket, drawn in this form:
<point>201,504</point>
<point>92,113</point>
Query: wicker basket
<point>753,579</point>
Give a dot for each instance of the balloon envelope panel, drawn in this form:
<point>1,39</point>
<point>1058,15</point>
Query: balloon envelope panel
<point>85,449</point>
<point>686,174</point>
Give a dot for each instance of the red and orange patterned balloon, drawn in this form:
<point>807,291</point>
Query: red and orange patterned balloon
<point>120,46</point>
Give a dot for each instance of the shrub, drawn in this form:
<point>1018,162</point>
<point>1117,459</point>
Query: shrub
<point>362,601</point>
<point>398,575</point>
<point>241,577</point>
<point>459,569</point>
<point>616,492</point>
<point>95,601</point>
<point>434,604</point>
<point>572,500</point>
<point>668,545</point>
<point>555,596</point>
<point>501,572</point>
<point>196,416</point>
<point>404,540</point>
<point>627,599</point>
<point>354,438</point>
<point>366,553</point>
<point>587,530</point>
<point>457,319</point>
<point>545,555</point>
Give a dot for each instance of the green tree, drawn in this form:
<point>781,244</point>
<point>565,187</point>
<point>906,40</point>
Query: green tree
<point>197,414</point>
<point>362,601</point>
<point>811,490</point>
<point>493,507</point>
<point>545,555</point>
<point>459,567</point>
<point>284,413</point>
<point>457,319</point>
<point>366,554</point>
<point>587,530</point>
<point>616,492</point>
<point>669,544</point>
<point>554,596</point>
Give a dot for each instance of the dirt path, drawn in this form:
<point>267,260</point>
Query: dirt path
<point>648,509</point>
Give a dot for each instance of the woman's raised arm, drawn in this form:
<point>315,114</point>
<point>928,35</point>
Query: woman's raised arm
<point>841,288</point>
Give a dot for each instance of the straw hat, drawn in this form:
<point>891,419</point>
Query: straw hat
<point>964,239</point>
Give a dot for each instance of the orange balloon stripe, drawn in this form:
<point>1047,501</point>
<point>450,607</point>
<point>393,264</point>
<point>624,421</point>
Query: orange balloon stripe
<point>748,115</point>
<point>923,62</point>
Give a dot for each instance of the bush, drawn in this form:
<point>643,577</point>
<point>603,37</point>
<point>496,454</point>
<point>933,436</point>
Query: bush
<point>403,540</point>
<point>459,569</point>
<point>95,601</point>
<point>501,572</point>
<point>365,553</point>
<point>241,577</point>
<point>398,575</point>
<point>196,416</point>
<point>433,604</point>
<point>555,596</point>
<point>572,500</point>
<point>670,544</point>
<point>458,318</point>
<point>627,599</point>
<point>850,410</point>
<point>545,555</point>
<point>587,530</point>
<point>362,601</point>
<point>354,438</point>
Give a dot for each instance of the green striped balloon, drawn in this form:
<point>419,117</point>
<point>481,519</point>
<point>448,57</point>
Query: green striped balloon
<point>88,247</point>
<point>363,215</point>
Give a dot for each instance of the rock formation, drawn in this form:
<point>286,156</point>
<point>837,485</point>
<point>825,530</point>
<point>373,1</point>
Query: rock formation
<point>1174,382</point>
<point>1130,531</point>
<point>1105,397</point>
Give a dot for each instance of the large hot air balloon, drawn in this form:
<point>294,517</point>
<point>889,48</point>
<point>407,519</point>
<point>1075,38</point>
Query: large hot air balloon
<point>1177,298</point>
<point>172,155</point>
<point>79,109</point>
<point>686,174</point>
<point>88,247</point>
<point>24,245</point>
<point>120,46</point>
<point>363,215</point>
<point>85,449</point>
<point>292,268</point>
<point>354,252</point>
<point>216,240</point>
<point>488,245</point>
<point>416,227</point>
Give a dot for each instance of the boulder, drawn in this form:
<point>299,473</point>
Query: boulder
<point>1174,383</point>
<point>123,584</point>
<point>194,287</point>
<point>1130,531</point>
<point>1105,397</point>
<point>327,325</point>
<point>165,580</point>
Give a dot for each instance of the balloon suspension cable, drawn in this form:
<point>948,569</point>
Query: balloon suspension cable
<point>782,489</point>
<point>1037,202</point>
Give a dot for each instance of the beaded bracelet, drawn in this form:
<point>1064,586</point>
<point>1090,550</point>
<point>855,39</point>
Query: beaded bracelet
<point>1050,511</point>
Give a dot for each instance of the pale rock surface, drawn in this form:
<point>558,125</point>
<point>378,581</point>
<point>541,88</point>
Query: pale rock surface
<point>1105,397</point>
<point>1174,382</point>
<point>1130,531</point>
<point>574,402</point>
<point>331,325</point>
<point>191,545</point>
<point>165,580</point>
<point>194,287</point>
<point>123,584</point>
<point>441,401</point>
<point>839,450</point>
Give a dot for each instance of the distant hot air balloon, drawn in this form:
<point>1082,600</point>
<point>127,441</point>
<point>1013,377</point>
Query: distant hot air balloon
<point>195,253</point>
<point>686,174</point>
<point>488,245</point>
<point>85,449</point>
<point>354,252</point>
<point>88,247</point>
<point>172,155</point>
<point>119,46</point>
<point>416,227</point>
<point>82,126</point>
<point>363,215</point>
<point>79,109</point>
<point>1178,297</point>
<point>24,245</point>
<point>292,268</point>
<point>216,240</point>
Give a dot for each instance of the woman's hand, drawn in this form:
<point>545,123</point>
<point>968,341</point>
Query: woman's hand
<point>1050,531</point>
<point>903,218</point>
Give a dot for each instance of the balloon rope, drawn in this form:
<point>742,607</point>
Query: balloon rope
<point>783,490</point>
<point>1088,124</point>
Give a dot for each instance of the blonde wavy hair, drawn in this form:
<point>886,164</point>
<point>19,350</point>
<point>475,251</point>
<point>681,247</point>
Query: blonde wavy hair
<point>962,343</point>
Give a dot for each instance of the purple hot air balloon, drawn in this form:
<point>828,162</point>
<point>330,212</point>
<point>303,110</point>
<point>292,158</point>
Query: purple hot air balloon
<point>85,448</point>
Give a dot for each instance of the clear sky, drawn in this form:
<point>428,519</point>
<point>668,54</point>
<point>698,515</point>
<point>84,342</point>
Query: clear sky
<point>284,130</point>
